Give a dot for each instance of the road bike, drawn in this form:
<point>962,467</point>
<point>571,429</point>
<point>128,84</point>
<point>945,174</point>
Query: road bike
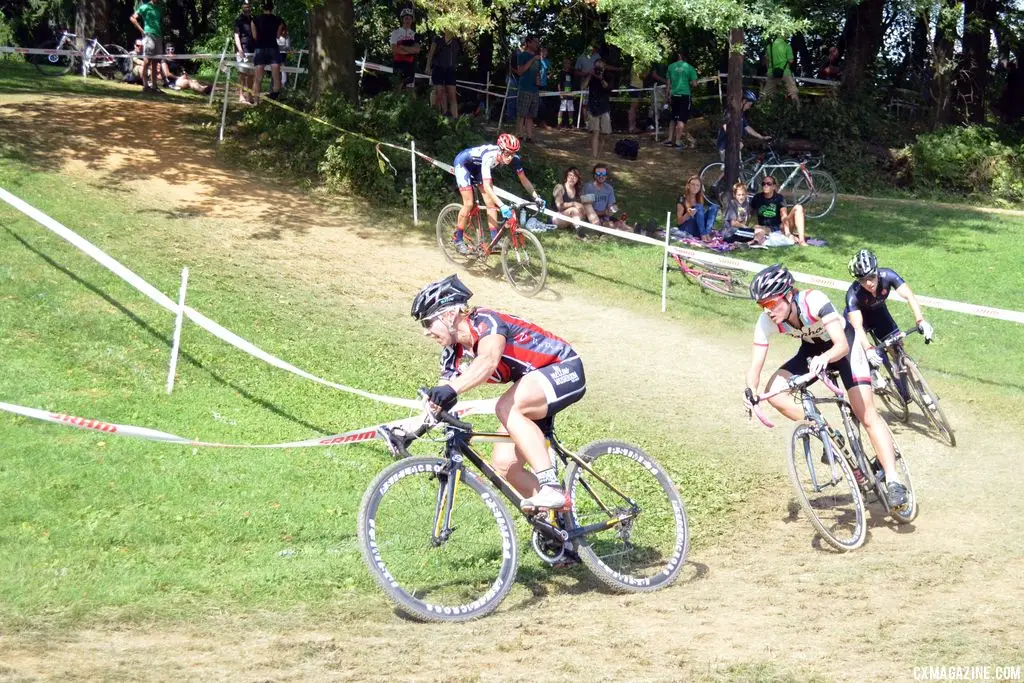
<point>830,470</point>
<point>904,384</point>
<point>522,256</point>
<point>811,187</point>
<point>718,279</point>
<point>106,61</point>
<point>442,544</point>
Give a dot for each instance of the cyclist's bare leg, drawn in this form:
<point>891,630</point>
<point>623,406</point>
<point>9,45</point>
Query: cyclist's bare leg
<point>863,404</point>
<point>508,462</point>
<point>517,409</point>
<point>467,206</point>
<point>783,402</point>
<point>492,216</point>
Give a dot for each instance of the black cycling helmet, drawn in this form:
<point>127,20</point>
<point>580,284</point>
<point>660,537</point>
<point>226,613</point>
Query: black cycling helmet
<point>750,96</point>
<point>774,280</point>
<point>863,264</point>
<point>438,296</point>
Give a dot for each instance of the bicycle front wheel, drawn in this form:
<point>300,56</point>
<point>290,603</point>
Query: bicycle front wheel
<point>828,494</point>
<point>929,402</point>
<point>523,262</point>
<point>447,223</point>
<point>817,193</point>
<point>53,65</point>
<point>907,512</point>
<point>712,179</point>
<point>462,577</point>
<point>638,536</point>
<point>111,62</point>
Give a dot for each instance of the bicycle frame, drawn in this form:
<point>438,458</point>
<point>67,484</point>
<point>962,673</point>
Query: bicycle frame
<point>764,168</point>
<point>510,225</point>
<point>687,269</point>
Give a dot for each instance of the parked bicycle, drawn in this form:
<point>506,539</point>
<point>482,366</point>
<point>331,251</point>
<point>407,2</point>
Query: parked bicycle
<point>106,61</point>
<point>904,383</point>
<point>522,256</point>
<point>718,279</point>
<point>812,187</point>
<point>830,470</point>
<point>442,545</point>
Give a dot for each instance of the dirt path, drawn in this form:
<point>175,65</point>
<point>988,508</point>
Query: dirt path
<point>765,604</point>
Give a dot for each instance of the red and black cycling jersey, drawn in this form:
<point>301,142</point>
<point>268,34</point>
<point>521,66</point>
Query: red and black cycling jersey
<point>860,299</point>
<point>527,346</point>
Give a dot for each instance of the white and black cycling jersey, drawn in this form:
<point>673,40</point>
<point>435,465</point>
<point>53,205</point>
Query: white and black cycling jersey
<point>815,311</point>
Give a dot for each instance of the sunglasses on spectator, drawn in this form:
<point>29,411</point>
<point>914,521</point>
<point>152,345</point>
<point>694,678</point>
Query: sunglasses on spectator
<point>601,174</point>
<point>772,304</point>
<point>768,183</point>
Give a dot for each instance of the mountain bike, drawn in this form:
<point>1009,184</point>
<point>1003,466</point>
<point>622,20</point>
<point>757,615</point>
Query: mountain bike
<point>718,279</point>
<point>522,256</point>
<point>905,383</point>
<point>106,61</point>
<point>811,187</point>
<point>442,544</point>
<point>831,472</point>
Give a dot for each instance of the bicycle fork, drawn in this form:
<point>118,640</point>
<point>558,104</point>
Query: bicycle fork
<point>449,477</point>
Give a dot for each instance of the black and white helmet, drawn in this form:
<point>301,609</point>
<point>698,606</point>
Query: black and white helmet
<point>438,296</point>
<point>863,264</point>
<point>774,280</point>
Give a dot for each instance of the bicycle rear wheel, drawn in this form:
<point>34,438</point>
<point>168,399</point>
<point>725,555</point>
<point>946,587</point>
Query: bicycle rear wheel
<point>53,65</point>
<point>447,222</point>
<point>818,196</point>
<point>829,495</point>
<point>523,262</point>
<point>111,64</point>
<point>646,548</point>
<point>928,401</point>
<point>461,578</point>
<point>723,281</point>
<point>712,179</point>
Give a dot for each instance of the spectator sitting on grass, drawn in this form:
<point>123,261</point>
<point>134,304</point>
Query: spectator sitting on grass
<point>772,213</point>
<point>692,215</point>
<point>175,76</point>
<point>737,215</point>
<point>602,199</point>
<point>568,199</point>
<point>134,74</point>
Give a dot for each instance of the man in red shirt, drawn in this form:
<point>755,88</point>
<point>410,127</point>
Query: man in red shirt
<point>404,50</point>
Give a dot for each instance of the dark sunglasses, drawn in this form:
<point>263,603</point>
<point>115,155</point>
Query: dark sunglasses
<point>767,183</point>
<point>601,174</point>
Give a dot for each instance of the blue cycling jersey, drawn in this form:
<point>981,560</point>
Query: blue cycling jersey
<point>474,165</point>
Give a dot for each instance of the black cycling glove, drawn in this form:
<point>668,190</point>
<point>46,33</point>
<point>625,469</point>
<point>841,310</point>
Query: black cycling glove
<point>442,396</point>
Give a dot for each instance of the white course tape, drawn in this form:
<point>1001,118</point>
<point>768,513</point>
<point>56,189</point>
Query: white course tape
<point>354,436</point>
<point>129,55</point>
<point>195,316</point>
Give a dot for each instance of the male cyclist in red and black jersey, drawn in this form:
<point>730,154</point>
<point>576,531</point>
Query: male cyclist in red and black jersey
<point>826,341</point>
<point>546,375</point>
<point>866,309</point>
<point>473,167</point>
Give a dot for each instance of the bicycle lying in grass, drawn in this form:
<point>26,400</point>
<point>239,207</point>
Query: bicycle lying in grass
<point>442,545</point>
<point>106,61</point>
<point>718,279</point>
<point>905,383</point>
<point>831,472</point>
<point>522,256</point>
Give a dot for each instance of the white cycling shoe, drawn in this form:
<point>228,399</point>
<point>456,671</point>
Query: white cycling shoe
<point>548,498</point>
<point>878,382</point>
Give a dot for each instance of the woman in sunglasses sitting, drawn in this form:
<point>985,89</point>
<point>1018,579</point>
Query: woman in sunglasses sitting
<point>772,212</point>
<point>826,342</point>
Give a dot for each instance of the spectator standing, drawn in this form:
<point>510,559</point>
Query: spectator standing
<point>442,59</point>
<point>636,83</point>
<point>244,46</point>
<point>780,63</point>
<point>654,80</point>
<point>527,66</point>
<point>566,103</point>
<point>681,78</point>
<point>772,213</point>
<point>404,50</point>
<point>152,42</point>
<point>544,103</point>
<point>175,76</point>
<point>602,198</point>
<point>599,119</point>
<point>692,215</point>
<point>584,70</point>
<point>266,29</point>
<point>829,71</point>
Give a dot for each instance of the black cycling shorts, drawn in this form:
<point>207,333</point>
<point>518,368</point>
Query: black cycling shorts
<point>853,368</point>
<point>565,383</point>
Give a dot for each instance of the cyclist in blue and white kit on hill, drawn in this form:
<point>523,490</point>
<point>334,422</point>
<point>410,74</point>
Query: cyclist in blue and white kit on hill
<point>826,342</point>
<point>473,167</point>
<point>866,310</point>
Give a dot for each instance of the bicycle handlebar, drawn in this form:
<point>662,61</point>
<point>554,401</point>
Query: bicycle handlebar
<point>795,382</point>
<point>398,439</point>
<point>900,335</point>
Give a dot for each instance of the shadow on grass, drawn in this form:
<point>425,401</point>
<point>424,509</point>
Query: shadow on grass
<point>159,336</point>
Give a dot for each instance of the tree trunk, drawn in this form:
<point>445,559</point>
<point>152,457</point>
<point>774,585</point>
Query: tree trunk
<point>943,63</point>
<point>485,49</point>
<point>979,16</point>
<point>862,38</point>
<point>806,65</point>
<point>734,101</point>
<point>176,29</point>
<point>91,21</point>
<point>332,50</point>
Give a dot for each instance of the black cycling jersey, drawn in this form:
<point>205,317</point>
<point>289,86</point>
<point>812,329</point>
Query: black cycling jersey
<point>860,299</point>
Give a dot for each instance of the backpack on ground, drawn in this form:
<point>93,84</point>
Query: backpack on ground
<point>627,148</point>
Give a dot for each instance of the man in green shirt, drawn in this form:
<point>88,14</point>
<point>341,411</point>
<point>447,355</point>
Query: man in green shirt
<point>681,77</point>
<point>780,61</point>
<point>152,42</point>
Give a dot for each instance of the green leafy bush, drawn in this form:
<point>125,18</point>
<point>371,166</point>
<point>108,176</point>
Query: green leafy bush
<point>968,160</point>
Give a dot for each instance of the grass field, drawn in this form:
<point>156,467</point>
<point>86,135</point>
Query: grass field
<point>105,533</point>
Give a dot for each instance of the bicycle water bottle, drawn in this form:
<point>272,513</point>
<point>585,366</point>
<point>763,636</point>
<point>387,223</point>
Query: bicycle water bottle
<point>522,217</point>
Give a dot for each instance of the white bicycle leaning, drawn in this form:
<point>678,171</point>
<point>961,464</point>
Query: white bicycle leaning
<point>106,61</point>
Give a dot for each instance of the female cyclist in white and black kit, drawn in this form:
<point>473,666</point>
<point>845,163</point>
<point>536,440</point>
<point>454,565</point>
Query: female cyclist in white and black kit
<point>826,341</point>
